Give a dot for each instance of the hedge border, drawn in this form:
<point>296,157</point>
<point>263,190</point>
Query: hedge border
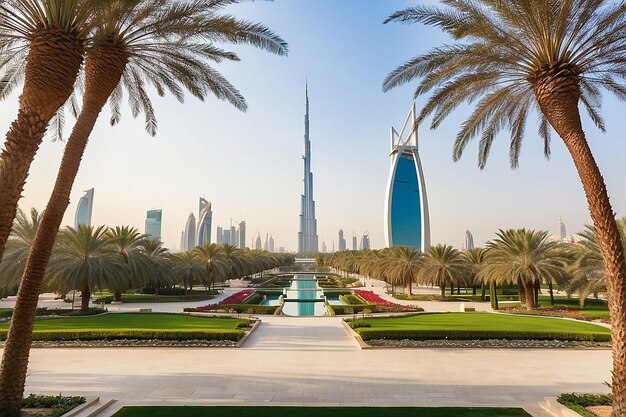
<point>372,333</point>
<point>124,334</point>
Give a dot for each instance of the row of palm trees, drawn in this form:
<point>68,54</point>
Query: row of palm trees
<point>518,257</point>
<point>89,258</point>
<point>100,50</point>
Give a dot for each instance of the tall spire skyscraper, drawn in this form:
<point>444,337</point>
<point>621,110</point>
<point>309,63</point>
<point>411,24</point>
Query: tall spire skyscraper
<point>307,236</point>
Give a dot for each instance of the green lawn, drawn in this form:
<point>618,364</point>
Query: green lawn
<point>480,326</point>
<point>198,411</point>
<point>134,325</point>
<point>593,308</point>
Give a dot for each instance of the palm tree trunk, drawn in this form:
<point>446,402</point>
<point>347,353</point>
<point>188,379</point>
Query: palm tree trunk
<point>530,295</point>
<point>443,291</point>
<point>117,296</point>
<point>521,292</point>
<point>562,112</point>
<point>452,288</point>
<point>52,65</point>
<point>85,296</point>
<point>102,76</point>
<point>483,291</point>
<point>551,289</point>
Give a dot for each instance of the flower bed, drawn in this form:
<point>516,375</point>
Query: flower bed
<point>234,302</point>
<point>382,305</point>
<point>556,311</point>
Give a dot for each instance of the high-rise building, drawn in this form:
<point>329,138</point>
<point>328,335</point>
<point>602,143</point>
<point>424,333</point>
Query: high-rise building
<point>354,243</point>
<point>84,209</point>
<point>562,230</point>
<point>189,235</point>
<point>270,246</point>
<point>307,236</point>
<point>242,234</point>
<point>324,248</point>
<point>205,220</point>
<point>182,241</point>
<point>219,238</point>
<point>153,223</point>
<point>365,242</point>
<point>257,244</point>
<point>406,206</point>
<point>234,236</point>
<point>469,240</point>
<point>227,237</point>
<point>342,241</point>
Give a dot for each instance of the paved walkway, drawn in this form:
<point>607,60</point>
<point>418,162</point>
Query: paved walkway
<point>313,361</point>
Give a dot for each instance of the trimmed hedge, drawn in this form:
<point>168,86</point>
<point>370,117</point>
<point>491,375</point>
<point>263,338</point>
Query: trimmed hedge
<point>239,308</point>
<point>411,334</point>
<point>125,334</point>
<point>255,298</point>
<point>57,405</point>
<point>579,402</point>
<point>351,299</point>
<point>353,309</point>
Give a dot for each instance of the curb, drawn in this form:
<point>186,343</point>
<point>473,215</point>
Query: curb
<point>247,334</point>
<point>358,337</point>
<point>554,408</point>
<point>89,401</point>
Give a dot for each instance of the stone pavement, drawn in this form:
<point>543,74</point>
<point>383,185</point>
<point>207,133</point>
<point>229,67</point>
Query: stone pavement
<point>313,361</point>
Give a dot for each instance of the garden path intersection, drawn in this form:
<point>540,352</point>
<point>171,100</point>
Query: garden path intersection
<point>315,361</point>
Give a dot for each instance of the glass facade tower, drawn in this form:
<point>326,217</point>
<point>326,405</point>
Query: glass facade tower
<point>84,209</point>
<point>406,206</point>
<point>205,219</point>
<point>153,223</point>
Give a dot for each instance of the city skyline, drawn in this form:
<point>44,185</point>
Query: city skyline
<point>254,171</point>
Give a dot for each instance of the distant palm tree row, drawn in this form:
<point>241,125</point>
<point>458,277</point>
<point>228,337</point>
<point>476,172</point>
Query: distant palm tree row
<point>519,257</point>
<point>89,258</point>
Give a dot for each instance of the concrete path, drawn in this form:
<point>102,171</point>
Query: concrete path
<point>264,374</point>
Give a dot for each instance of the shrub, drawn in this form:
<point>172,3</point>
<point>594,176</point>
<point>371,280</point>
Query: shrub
<point>254,299</point>
<point>126,334</point>
<point>353,308</point>
<point>59,405</point>
<point>239,308</point>
<point>412,334</point>
<point>579,402</point>
<point>359,324</point>
<point>351,299</point>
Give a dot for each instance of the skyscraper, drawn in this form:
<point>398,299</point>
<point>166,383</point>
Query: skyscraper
<point>242,234</point>
<point>234,236</point>
<point>406,206</point>
<point>205,219</point>
<point>365,241</point>
<point>153,223</point>
<point>469,240</point>
<point>342,241</point>
<point>307,236</point>
<point>84,209</point>
<point>257,244</point>
<point>270,247</point>
<point>354,243</point>
<point>189,235</point>
<point>324,248</point>
<point>219,238</point>
<point>562,230</point>
<point>226,237</point>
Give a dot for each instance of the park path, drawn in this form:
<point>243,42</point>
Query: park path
<point>278,333</point>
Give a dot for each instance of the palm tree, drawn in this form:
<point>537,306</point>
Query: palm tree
<point>519,56</point>
<point>42,44</point>
<point>160,268</point>
<point>17,247</point>
<point>475,259</point>
<point>127,242</point>
<point>212,259</point>
<point>401,265</point>
<point>189,270</point>
<point>442,264</point>
<point>524,257</point>
<point>163,42</point>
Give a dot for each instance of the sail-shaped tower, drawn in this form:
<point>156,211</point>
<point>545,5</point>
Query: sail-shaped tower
<point>307,236</point>
<point>407,221</point>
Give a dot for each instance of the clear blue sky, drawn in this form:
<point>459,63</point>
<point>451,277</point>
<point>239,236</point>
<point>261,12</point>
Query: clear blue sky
<point>249,165</point>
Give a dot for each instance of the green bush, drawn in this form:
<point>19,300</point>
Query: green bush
<point>586,400</point>
<point>239,308</point>
<point>356,324</point>
<point>125,334</point>
<point>351,299</point>
<point>371,334</point>
<point>353,308</point>
<point>177,291</point>
<point>59,405</point>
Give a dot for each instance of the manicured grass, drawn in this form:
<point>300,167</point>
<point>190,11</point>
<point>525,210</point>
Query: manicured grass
<point>480,326</point>
<point>198,411</point>
<point>593,308</point>
<point>135,325</point>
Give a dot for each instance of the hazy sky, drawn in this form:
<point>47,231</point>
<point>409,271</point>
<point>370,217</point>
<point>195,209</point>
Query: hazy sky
<point>249,165</point>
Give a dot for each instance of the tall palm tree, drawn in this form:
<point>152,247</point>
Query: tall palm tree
<point>127,242</point>
<point>475,260</point>
<point>212,259</point>
<point>442,265</point>
<point>17,247</point>
<point>401,265</point>
<point>160,269</point>
<point>513,57</point>
<point>523,256</point>
<point>42,43</point>
<point>86,261</point>
<point>165,43</point>
<point>189,270</point>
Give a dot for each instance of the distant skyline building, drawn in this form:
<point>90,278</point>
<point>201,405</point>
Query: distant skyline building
<point>354,243</point>
<point>219,235</point>
<point>257,244</point>
<point>189,234</point>
<point>242,234</point>
<point>226,237</point>
<point>205,220</point>
<point>407,221</point>
<point>342,242</point>
<point>307,236</point>
<point>469,240</point>
<point>562,230</point>
<point>324,248</point>
<point>154,223</point>
<point>270,246</point>
<point>234,236</point>
<point>84,209</point>
<point>365,242</point>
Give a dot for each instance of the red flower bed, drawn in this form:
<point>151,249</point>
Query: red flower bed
<point>375,299</point>
<point>556,311</point>
<point>235,298</point>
